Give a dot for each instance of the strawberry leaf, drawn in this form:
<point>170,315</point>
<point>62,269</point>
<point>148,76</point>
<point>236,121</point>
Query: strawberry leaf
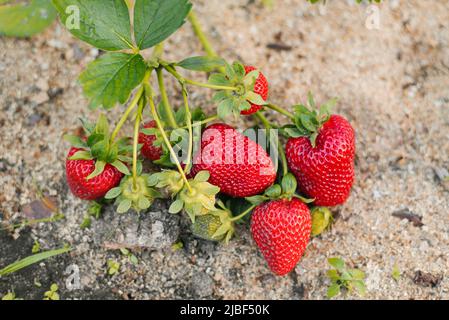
<point>337,263</point>
<point>124,206</point>
<point>333,290</point>
<point>156,20</point>
<point>103,24</point>
<point>111,78</point>
<point>255,98</point>
<point>81,155</point>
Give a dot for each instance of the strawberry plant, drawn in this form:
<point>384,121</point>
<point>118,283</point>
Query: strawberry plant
<point>204,167</point>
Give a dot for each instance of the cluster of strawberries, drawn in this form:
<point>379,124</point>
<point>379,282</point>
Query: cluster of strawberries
<point>319,169</point>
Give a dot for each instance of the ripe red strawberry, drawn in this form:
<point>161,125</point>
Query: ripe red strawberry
<point>237,165</point>
<point>78,170</point>
<point>260,87</point>
<point>148,150</point>
<point>281,230</point>
<point>325,172</point>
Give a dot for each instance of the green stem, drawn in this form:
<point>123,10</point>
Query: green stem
<point>199,123</point>
<point>168,109</point>
<point>183,80</point>
<point>157,51</point>
<point>125,116</point>
<point>281,151</point>
<point>149,95</point>
<point>136,140</point>
<point>280,110</point>
<point>201,35</point>
<point>244,213</point>
<point>208,85</point>
<point>189,127</point>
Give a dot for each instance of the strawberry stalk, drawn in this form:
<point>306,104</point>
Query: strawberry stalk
<point>125,115</point>
<point>189,127</point>
<point>183,80</point>
<point>149,95</point>
<point>168,109</point>
<point>136,140</point>
<point>280,110</point>
<point>243,214</point>
<point>201,35</point>
<point>268,126</point>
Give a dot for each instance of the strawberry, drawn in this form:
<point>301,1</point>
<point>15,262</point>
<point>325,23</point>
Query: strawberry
<point>77,172</point>
<point>94,164</point>
<point>237,165</point>
<point>260,88</point>
<point>250,93</point>
<point>149,150</point>
<point>281,229</point>
<point>321,155</point>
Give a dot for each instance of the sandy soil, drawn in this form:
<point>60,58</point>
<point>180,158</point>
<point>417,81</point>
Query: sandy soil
<point>393,85</point>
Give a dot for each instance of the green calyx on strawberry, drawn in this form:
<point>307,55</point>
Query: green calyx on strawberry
<point>138,196</point>
<point>97,146</point>
<point>197,200</point>
<point>309,119</point>
<point>215,226</point>
<point>286,190</point>
<point>251,93</point>
<point>168,180</point>
<point>321,220</point>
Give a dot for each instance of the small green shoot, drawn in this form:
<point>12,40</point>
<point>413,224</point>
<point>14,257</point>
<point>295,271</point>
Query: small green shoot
<point>36,247</point>
<point>131,257</point>
<point>342,278</point>
<point>52,294</point>
<point>113,267</point>
<point>396,273</point>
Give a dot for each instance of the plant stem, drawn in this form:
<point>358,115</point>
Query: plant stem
<point>244,213</point>
<point>149,95</point>
<point>280,110</point>
<point>168,109</point>
<point>208,85</point>
<point>157,51</point>
<point>183,80</point>
<point>125,116</point>
<point>201,35</point>
<point>281,152</point>
<point>189,127</point>
<point>136,140</point>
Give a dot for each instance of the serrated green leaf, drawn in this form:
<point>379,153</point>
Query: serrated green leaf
<point>156,20</point>
<point>357,274</point>
<point>239,69</point>
<point>202,63</point>
<point>124,206</point>
<point>111,78</point>
<point>26,19</point>
<point>289,184</point>
<point>360,287</point>
<point>293,132</point>
<point>99,167</point>
<point>250,79</point>
<point>176,206</point>
<point>103,24</point>
<point>102,125</point>
<point>333,275</point>
<point>220,96</point>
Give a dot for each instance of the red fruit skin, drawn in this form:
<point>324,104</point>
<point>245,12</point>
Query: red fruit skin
<point>281,230</point>
<point>260,87</point>
<point>238,165</point>
<point>148,150</point>
<point>97,187</point>
<point>325,172</point>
